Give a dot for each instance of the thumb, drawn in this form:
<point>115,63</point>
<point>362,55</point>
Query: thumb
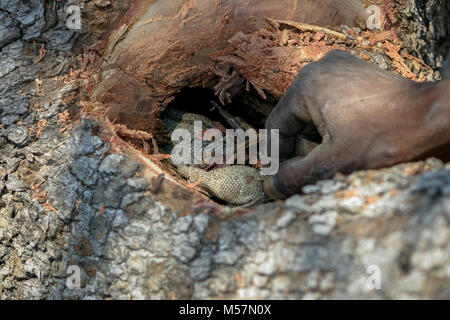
<point>322,163</point>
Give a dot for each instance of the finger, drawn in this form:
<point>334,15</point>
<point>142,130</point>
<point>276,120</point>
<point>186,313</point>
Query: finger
<point>290,116</point>
<point>322,163</point>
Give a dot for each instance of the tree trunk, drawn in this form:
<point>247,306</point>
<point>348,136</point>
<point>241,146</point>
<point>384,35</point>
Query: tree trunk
<point>77,200</point>
<point>157,49</point>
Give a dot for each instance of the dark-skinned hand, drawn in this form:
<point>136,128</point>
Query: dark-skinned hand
<point>367,118</point>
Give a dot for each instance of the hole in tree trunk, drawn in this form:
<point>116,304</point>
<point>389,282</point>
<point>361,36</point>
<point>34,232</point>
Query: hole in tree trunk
<point>248,106</point>
<point>248,110</point>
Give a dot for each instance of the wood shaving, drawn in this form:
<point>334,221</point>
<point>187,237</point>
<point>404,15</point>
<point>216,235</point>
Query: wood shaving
<point>124,132</point>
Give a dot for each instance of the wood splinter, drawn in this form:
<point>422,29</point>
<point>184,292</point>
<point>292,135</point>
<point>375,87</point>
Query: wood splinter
<point>158,183</point>
<point>306,27</point>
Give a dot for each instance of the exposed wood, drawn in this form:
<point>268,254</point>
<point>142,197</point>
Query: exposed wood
<point>168,47</point>
<point>307,27</point>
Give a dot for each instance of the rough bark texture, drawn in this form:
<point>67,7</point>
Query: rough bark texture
<point>71,196</point>
<point>427,33</point>
<point>446,66</point>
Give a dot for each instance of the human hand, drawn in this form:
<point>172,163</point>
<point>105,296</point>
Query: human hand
<point>368,118</point>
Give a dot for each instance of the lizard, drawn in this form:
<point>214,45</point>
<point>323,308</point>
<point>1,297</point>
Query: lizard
<point>237,185</point>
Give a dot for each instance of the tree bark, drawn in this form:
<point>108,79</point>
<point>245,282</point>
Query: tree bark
<point>74,197</point>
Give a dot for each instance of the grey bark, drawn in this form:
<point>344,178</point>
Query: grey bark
<point>424,27</point>
<point>446,66</point>
<point>129,244</point>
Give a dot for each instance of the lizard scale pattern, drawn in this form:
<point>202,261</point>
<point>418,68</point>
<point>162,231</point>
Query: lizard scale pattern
<point>237,185</point>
